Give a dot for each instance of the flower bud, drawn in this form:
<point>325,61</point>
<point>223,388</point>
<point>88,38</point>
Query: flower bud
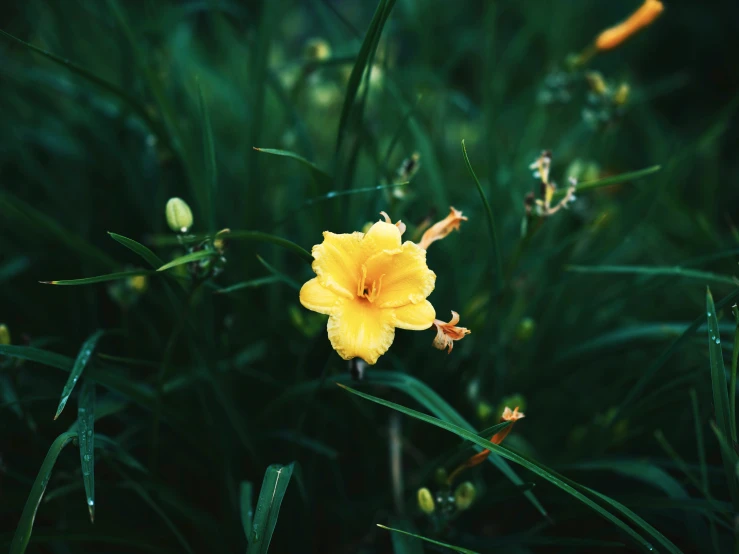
<point>622,94</point>
<point>138,283</point>
<point>426,501</point>
<point>179,215</point>
<point>4,334</point>
<point>317,49</point>
<point>525,329</point>
<point>464,495</point>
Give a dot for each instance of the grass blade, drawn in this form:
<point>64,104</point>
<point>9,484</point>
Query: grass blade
<point>590,185</point>
<point>250,284</point>
<point>432,541</point>
<point>720,394</point>
<point>247,507</point>
<point>566,485</point>
<point>25,525</point>
<point>676,271</point>
<point>188,258</point>
<point>319,175</point>
<point>277,273</point>
<point>495,249</point>
<point>79,366</point>
<point>274,486</point>
<point>732,382</point>
<point>99,278</point>
<point>209,154</point>
<point>86,430</point>
<point>152,259</point>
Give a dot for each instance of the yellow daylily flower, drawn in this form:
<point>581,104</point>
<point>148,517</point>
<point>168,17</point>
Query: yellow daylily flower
<point>369,284</point>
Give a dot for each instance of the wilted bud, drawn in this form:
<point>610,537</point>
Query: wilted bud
<point>442,228</point>
<point>596,82</point>
<point>525,329</point>
<point>464,495</point>
<point>179,215</point>
<point>4,334</point>
<point>643,17</point>
<point>621,95</point>
<point>426,501</point>
<point>219,242</point>
<point>317,49</point>
<point>447,333</point>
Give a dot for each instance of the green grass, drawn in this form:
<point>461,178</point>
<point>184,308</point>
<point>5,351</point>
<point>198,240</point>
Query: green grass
<point>191,373</point>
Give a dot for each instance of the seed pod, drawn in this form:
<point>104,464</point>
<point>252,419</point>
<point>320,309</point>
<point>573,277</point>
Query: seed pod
<point>464,495</point>
<point>179,215</point>
<point>426,501</point>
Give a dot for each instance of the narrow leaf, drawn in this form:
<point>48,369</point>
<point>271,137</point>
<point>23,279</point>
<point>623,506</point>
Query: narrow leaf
<point>86,430</point>
<point>432,541</point>
<point>152,259</point>
<point>209,155</point>
<point>250,284</point>
<point>99,278</point>
<point>590,185</point>
<point>676,271</point>
<point>79,366</point>
<point>277,273</point>
<point>320,176</point>
<point>274,486</point>
<point>188,258</point>
<point>246,504</point>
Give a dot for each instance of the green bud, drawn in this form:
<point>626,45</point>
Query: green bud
<point>464,495</point>
<point>525,329</point>
<point>179,216</point>
<point>4,334</point>
<point>426,501</point>
<point>440,476</point>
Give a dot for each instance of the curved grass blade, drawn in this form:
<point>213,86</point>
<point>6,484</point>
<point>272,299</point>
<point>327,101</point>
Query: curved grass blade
<point>25,525</point>
<point>247,507</point>
<point>274,486</point>
<point>432,541</point>
<point>187,258</point>
<point>589,185</point>
<point>86,430</point>
<point>13,267</point>
<point>318,174</point>
<point>676,271</point>
<point>79,366</point>
<point>720,394</point>
<point>250,284</point>
<point>152,259</point>
<point>209,154</point>
<point>99,278</point>
<point>495,249</point>
<point>91,77</point>
<point>565,484</point>
<point>277,273</point>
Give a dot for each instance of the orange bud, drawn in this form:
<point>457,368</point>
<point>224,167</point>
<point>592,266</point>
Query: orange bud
<point>442,228</point>
<point>643,17</point>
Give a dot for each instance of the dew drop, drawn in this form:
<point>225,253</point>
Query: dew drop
<point>709,314</point>
<point>718,340</point>
<point>90,502</point>
<point>87,457</point>
<point>89,433</point>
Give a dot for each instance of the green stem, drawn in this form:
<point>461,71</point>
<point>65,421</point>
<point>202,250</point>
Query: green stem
<point>732,389</point>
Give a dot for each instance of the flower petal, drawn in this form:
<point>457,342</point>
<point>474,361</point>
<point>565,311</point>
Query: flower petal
<point>406,277</point>
<point>357,328</point>
<point>381,236</point>
<point>338,262</point>
<point>415,317</point>
<point>318,298</point>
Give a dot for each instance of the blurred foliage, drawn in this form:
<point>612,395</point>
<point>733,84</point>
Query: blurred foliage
<point>210,372</point>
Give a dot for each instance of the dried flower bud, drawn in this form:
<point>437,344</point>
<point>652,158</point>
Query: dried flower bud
<point>447,333</point>
<point>464,495</point>
<point>426,501</point>
<point>643,17</point>
<point>4,334</point>
<point>442,228</point>
<point>179,215</point>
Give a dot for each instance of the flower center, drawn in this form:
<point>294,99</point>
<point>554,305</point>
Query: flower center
<point>365,290</point>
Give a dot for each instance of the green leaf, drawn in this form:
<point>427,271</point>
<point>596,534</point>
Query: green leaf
<point>277,273</point>
<point>250,284</point>
<point>590,185</point>
<point>495,249</point>
<point>86,430</point>
<point>432,541</point>
<point>732,381</point>
<point>720,394</point>
<point>210,178</point>
<point>152,259</point>
<point>274,486</point>
<point>79,366</point>
<point>318,174</point>
<point>100,278</point>
<point>246,504</point>
<point>188,258</point>
<point>25,525</point>
<point>565,484</point>
<point>675,271</point>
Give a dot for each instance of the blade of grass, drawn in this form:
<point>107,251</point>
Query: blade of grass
<point>676,271</point>
<point>247,507</point>
<point>274,486</point>
<point>495,250</point>
<point>99,278</point>
<point>732,382</point>
<point>25,525</point>
<point>590,185</point>
<point>79,366</point>
<point>86,430</point>
<point>188,258</point>
<point>564,484</point>
<point>321,177</point>
<point>152,259</point>
<point>720,394</point>
<point>210,178</point>
<point>277,273</point>
<point>252,283</point>
<point>432,541</point>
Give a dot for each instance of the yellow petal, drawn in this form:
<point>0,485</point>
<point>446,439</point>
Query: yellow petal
<point>318,298</point>
<point>415,317</point>
<point>357,328</point>
<point>338,262</point>
<point>407,279</point>
<point>381,236</point>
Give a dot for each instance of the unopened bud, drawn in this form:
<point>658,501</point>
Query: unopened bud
<point>179,215</point>
<point>426,501</point>
<point>317,49</point>
<point>464,495</point>
<point>525,329</point>
<point>138,283</point>
<point>4,334</point>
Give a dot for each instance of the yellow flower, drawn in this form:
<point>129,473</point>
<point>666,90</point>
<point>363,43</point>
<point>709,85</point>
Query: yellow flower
<point>441,229</point>
<point>447,333</point>
<point>369,284</point>
<point>643,17</point>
